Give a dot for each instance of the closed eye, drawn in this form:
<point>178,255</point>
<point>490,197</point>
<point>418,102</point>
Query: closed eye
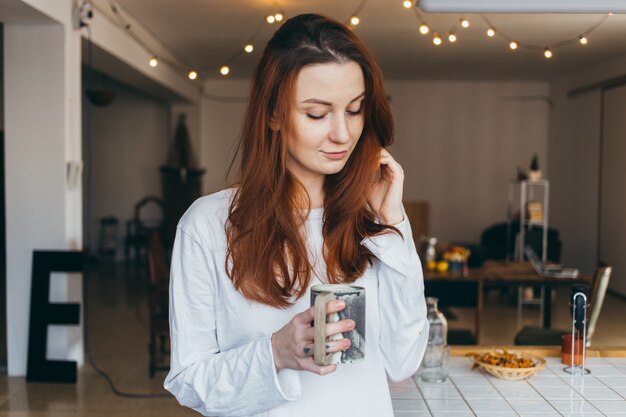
<point>314,117</point>
<point>354,113</point>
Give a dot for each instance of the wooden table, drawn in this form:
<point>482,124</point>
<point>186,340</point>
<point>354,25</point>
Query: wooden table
<point>497,274</point>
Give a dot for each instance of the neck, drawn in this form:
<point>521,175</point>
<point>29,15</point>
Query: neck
<point>315,189</point>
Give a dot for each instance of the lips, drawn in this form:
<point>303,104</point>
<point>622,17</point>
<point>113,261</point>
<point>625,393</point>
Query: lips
<point>335,156</point>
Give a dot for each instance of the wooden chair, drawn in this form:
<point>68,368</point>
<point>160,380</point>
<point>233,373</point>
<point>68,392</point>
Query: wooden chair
<point>158,305</point>
<point>148,218</point>
<point>537,336</point>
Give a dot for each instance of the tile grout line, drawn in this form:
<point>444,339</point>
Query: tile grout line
<point>414,378</point>
<point>569,386</point>
<point>462,396</point>
<point>605,384</point>
<point>503,396</point>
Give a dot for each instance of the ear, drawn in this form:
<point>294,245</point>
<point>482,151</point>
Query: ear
<point>274,125</point>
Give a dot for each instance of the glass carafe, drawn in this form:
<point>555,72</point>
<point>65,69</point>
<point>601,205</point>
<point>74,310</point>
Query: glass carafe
<point>434,367</point>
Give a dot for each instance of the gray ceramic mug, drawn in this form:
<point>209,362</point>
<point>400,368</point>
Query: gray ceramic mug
<point>354,297</point>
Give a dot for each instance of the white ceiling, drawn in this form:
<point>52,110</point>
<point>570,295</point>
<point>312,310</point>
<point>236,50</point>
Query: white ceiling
<point>205,33</point>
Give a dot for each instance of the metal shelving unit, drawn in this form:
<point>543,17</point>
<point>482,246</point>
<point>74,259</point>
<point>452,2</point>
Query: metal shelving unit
<point>536,192</point>
<point>533,212</point>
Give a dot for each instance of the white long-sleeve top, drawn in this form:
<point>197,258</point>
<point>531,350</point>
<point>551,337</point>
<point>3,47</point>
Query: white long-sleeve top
<point>221,354</point>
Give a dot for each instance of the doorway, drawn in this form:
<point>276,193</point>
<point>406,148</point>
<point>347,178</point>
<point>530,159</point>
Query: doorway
<point>612,198</point>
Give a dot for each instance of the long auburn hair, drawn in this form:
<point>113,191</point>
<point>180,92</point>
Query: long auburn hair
<point>267,259</point>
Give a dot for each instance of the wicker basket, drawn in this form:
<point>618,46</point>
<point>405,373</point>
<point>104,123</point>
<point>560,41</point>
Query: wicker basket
<point>513,374</point>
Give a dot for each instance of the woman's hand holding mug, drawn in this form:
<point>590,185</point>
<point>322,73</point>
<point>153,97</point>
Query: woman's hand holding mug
<point>293,344</point>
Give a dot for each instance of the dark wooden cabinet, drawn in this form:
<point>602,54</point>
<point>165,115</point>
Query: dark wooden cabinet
<point>181,187</point>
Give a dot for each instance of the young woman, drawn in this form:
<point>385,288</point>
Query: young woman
<point>318,201</point>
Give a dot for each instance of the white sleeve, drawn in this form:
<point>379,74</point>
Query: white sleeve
<point>401,304</point>
<point>237,382</point>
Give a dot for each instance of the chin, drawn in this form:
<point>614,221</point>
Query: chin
<point>334,168</point>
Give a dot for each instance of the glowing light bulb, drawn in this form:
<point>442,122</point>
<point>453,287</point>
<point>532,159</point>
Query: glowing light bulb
<point>464,23</point>
<point>491,32</point>
<point>192,75</point>
<point>513,45</point>
<point>270,19</point>
<point>407,4</point>
<point>452,37</point>
<point>354,20</point>
<point>424,29</point>
<point>547,53</point>
<point>583,40</point>
<point>279,17</point>
<point>248,48</point>
<point>153,61</point>
<point>224,70</point>
<point>437,39</point>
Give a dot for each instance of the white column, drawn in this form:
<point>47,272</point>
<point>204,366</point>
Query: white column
<point>43,123</point>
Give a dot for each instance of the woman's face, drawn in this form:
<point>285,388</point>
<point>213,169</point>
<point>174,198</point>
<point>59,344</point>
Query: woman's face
<point>326,119</point>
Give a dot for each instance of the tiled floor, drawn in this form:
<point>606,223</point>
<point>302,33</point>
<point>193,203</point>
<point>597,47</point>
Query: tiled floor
<point>118,334</point>
<point>551,393</point>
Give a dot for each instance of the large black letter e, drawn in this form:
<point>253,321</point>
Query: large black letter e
<point>44,313</point>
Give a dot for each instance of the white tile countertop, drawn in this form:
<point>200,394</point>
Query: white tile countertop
<point>552,392</point>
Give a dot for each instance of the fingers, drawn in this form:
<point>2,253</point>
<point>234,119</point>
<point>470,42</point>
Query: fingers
<point>309,365</point>
<point>387,160</point>
<point>337,346</point>
<point>339,327</point>
<point>331,347</point>
<point>307,315</point>
<point>302,349</point>
<point>331,329</point>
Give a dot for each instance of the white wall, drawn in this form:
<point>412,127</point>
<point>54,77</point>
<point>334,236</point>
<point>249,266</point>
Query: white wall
<point>458,141</point>
<point>574,152</point>
<point>131,141</point>
<point>574,149</point>
<point>220,129</point>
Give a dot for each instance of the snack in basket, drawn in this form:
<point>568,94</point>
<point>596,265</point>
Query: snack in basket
<point>508,365</point>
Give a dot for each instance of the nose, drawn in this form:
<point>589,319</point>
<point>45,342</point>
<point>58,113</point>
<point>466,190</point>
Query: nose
<point>339,130</point>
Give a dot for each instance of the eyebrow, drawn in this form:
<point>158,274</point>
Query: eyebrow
<point>326,103</point>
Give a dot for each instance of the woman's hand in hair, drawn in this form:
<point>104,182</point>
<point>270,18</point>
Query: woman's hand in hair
<point>385,195</point>
<point>293,344</point>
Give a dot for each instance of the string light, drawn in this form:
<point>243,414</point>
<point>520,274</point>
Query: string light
<point>424,29</point>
